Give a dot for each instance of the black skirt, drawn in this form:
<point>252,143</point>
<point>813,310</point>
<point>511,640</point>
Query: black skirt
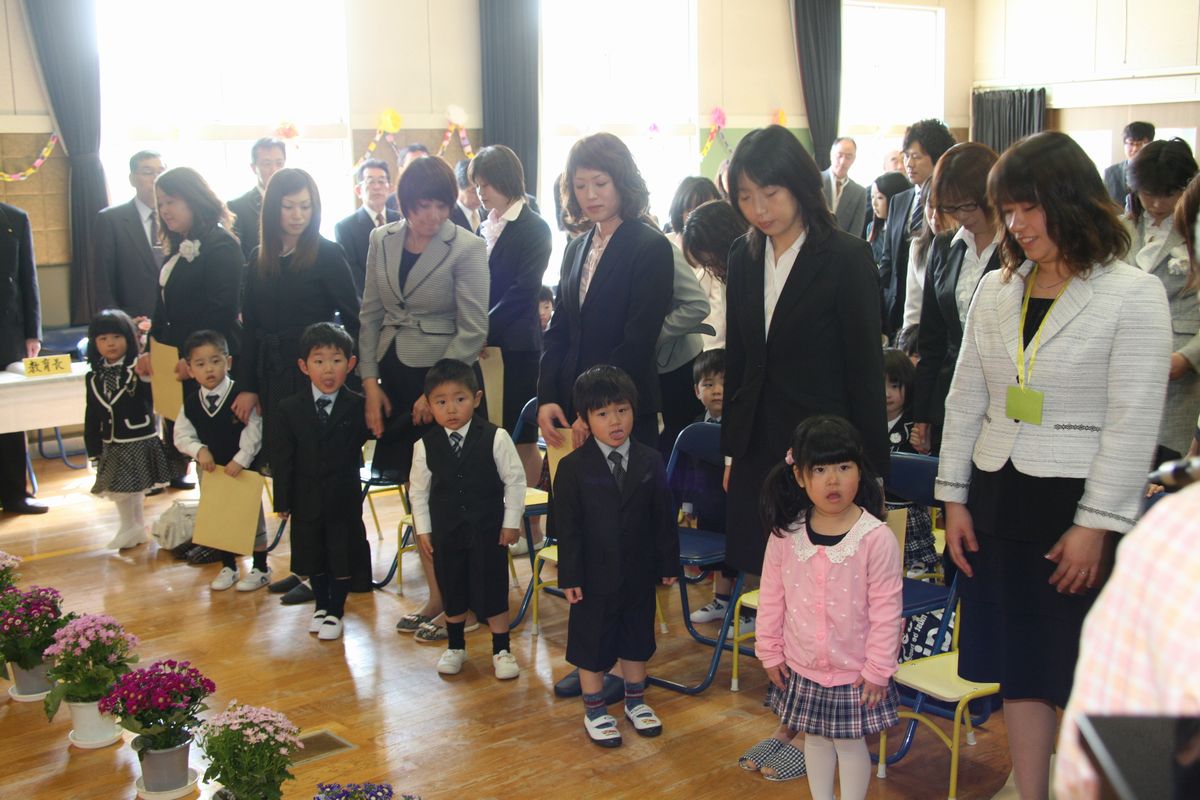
<point>1016,628</point>
<point>520,384</point>
<point>402,385</point>
<point>745,537</point>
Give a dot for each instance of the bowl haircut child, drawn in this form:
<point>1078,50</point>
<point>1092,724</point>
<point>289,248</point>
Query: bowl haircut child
<point>115,321</point>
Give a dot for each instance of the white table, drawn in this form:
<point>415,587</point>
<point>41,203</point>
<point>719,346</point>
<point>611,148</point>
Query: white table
<point>32,404</point>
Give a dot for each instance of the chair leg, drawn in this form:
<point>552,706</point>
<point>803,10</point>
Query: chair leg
<point>954,747</point>
<point>536,585</point>
<point>374,516</point>
<point>881,767</point>
<point>33,485</point>
<point>737,640</point>
<point>516,584</point>
<point>658,612</point>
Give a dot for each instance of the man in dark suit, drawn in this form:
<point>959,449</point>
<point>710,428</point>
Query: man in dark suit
<point>268,155</point>
<point>467,212</point>
<point>924,143</point>
<point>847,200</point>
<point>20,337</point>
<point>1116,178</point>
<point>128,254</point>
<point>373,181</point>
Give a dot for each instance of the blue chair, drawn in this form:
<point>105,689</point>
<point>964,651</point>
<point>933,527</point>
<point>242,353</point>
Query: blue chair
<point>912,479</point>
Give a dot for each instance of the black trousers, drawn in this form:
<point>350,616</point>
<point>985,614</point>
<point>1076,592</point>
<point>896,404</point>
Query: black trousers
<point>13,488</point>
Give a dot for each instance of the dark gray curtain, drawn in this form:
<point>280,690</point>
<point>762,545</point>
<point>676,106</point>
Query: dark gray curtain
<point>64,34</point>
<point>818,28</point>
<point>999,118</point>
<point>509,39</point>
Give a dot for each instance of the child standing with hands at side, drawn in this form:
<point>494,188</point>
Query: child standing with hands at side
<point>617,540</point>
<point>830,600</point>
<point>467,488</point>
<point>118,428</point>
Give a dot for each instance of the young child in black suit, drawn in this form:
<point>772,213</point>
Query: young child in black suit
<point>617,539</point>
<point>467,488</point>
<point>208,431</point>
<point>315,456</point>
<point>899,375</point>
<point>118,428</point>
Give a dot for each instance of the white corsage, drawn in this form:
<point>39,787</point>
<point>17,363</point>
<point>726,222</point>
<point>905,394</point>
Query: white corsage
<point>1177,260</point>
<point>189,248</point>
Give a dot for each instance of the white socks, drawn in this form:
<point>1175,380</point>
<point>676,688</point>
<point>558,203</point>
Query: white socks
<point>132,529</point>
<point>849,756</point>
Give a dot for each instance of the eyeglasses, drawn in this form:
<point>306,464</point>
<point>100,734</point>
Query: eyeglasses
<point>376,181</point>
<point>965,208</point>
<point>149,173</point>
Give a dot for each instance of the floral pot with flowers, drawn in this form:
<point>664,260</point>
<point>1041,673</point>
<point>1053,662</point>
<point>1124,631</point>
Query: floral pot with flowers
<point>89,653</point>
<point>28,622</point>
<point>250,752</point>
<point>360,791</point>
<point>8,578</point>
<point>161,703</point>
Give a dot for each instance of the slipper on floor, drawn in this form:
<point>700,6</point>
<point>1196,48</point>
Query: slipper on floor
<point>603,730</point>
<point>760,754</point>
<point>788,764</point>
<point>411,623</point>
<point>644,720</point>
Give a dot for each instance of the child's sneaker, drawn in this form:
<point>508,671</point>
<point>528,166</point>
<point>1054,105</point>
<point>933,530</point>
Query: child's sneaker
<point>505,665</point>
<point>224,580</point>
<point>746,624</point>
<point>257,579</point>
<point>331,629</point>
<point>712,612</point>
<point>451,662</point>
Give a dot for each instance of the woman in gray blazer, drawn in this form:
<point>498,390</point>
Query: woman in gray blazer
<point>1157,177</point>
<point>1051,423</point>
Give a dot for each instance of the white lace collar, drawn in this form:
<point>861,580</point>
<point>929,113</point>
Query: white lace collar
<point>839,552</point>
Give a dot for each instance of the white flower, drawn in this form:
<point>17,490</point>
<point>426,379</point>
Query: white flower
<point>189,248</point>
<point>1178,262</point>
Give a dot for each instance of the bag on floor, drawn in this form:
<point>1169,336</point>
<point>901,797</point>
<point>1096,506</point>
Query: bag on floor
<point>174,526</point>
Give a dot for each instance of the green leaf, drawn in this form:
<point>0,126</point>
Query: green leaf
<point>54,700</point>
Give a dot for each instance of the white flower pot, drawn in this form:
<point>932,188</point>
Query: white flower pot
<point>29,685</point>
<point>90,728</point>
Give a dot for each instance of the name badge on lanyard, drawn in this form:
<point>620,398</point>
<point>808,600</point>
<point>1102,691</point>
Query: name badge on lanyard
<point>1022,403</point>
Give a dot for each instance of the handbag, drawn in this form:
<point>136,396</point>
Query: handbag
<point>174,526</point>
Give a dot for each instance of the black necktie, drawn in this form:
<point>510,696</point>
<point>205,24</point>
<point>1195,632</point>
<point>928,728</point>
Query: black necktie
<point>456,443</point>
<point>111,376</point>
<point>914,222</point>
<point>213,399</point>
<point>323,405</point>
<point>618,468</point>
<point>155,245</point>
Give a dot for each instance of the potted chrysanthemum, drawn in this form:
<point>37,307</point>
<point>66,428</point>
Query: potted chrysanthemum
<point>249,751</point>
<point>161,703</point>
<point>8,570</point>
<point>360,791</point>
<point>28,622</point>
<point>89,653</point>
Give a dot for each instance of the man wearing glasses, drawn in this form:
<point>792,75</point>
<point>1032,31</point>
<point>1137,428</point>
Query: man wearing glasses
<point>128,253</point>
<point>373,183</point>
<point>1116,178</point>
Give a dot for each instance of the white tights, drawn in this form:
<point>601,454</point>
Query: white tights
<point>132,530</point>
<point>850,756</point>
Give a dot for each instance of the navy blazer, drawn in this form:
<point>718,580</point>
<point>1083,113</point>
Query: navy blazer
<point>125,272</point>
<point>20,303</point>
<point>619,323</point>
<point>203,294</point>
<point>609,537</point>
<point>517,263</point>
<point>893,267</point>
<point>354,235</point>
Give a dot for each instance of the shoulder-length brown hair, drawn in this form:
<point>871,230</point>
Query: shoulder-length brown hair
<point>1051,171</point>
<point>605,153</point>
<point>270,233</point>
<point>208,210</point>
<point>961,175</point>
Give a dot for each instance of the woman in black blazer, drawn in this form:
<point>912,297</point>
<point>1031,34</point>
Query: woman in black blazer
<point>200,282</point>
<point>885,187</point>
<point>957,263</point>
<point>614,292</point>
<point>803,334</point>
<point>295,278</point>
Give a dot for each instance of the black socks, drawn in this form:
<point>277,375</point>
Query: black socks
<point>499,642</point>
<point>260,560</point>
<point>456,631</point>
<point>229,560</point>
<point>338,589</point>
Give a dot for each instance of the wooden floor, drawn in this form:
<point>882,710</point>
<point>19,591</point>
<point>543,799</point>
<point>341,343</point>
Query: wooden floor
<point>468,736</point>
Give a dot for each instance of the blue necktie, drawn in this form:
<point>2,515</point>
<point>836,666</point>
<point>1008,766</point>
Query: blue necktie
<point>456,440</point>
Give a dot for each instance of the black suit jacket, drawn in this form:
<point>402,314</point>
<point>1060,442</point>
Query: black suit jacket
<point>354,235</point>
<point>893,267</point>
<point>203,294</point>
<point>126,275</point>
<point>619,323</point>
<point>517,263</point>
<point>314,466</point>
<point>821,355</point>
<point>1115,183</point>
<point>941,330</point>
<point>246,210</point>
<point>460,219</point>
<point>606,536</point>
<point>20,302</point>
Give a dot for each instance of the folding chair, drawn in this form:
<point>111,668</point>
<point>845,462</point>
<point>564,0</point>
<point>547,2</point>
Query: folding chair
<point>912,479</point>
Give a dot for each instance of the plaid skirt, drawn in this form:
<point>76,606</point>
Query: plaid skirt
<point>131,467</point>
<point>831,711</point>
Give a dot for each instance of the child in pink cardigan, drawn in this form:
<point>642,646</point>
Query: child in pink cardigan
<point>828,631</point>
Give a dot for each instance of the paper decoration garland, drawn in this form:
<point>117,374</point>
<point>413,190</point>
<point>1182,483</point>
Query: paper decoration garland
<point>13,177</point>
<point>780,117</point>
<point>287,130</point>
<point>390,123</point>
<point>716,130</point>
<point>456,121</point>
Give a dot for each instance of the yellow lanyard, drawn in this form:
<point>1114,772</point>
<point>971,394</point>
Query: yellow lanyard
<point>1024,376</point>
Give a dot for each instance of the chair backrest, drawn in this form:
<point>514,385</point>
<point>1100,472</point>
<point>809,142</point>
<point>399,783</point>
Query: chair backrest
<point>555,454</point>
<point>897,520</point>
<point>912,477</point>
<point>701,441</point>
<point>528,416</point>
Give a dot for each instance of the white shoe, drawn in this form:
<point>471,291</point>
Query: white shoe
<point>314,625</point>
<point>747,625</point>
<point>331,628</point>
<point>712,612</point>
<point>521,548</point>
<point>451,662</point>
<point>128,537</point>
<point>255,580</point>
<point>505,665</point>
<point>224,580</point>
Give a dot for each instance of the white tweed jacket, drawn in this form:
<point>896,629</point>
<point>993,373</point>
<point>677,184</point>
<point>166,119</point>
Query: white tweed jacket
<point>1102,365</point>
<point>440,312</point>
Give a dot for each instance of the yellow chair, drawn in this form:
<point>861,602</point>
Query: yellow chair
<point>745,600</point>
<point>550,554</point>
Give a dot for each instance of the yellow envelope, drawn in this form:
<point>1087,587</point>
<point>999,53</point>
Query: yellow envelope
<point>229,507</point>
<point>492,367</point>
<point>168,392</point>
<point>555,454</point>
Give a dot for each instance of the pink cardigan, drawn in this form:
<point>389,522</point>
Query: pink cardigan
<point>832,613</point>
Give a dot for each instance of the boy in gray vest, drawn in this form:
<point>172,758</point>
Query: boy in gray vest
<point>467,488</point>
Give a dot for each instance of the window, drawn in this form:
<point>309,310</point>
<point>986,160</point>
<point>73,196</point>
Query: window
<point>200,84</point>
<point>602,72</point>
<point>893,64</point>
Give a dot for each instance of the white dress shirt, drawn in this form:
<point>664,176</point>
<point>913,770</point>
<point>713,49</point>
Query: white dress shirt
<point>971,270</point>
<point>591,261</point>
<point>490,231</point>
<point>623,450</point>
<point>249,443</point>
<point>508,467</point>
<point>775,274</point>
